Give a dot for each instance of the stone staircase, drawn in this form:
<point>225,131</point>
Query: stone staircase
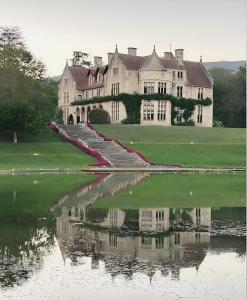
<point>115,154</point>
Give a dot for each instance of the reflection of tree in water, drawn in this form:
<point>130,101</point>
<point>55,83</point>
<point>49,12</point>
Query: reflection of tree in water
<point>23,246</point>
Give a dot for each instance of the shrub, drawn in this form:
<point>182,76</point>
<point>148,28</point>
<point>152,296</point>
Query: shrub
<point>99,116</point>
<point>186,123</point>
<point>218,124</point>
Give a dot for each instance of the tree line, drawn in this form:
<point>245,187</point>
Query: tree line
<point>229,96</point>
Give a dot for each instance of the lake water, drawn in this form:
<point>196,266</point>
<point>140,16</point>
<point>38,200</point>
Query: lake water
<point>123,236</point>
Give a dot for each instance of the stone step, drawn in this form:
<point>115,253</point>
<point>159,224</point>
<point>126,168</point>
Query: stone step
<point>110,150</point>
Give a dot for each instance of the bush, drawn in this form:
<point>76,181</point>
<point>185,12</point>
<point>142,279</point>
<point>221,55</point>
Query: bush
<point>186,123</point>
<point>218,124</point>
<point>99,116</point>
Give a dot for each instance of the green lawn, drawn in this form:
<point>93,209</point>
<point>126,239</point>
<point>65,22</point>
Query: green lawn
<point>32,195</point>
<point>43,150</point>
<point>187,146</point>
<point>182,191</point>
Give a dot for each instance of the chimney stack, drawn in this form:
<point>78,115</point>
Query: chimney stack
<point>179,56</point>
<point>98,61</point>
<point>132,51</point>
<point>110,56</point>
<point>168,55</point>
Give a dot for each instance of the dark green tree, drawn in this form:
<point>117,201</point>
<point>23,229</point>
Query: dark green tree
<point>27,99</point>
<point>81,59</point>
<point>229,96</point>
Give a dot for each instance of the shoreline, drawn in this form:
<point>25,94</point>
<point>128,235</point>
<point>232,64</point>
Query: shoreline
<point>151,169</point>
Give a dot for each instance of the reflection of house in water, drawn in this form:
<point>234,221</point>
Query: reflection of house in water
<point>160,219</point>
<point>107,234</point>
<point>167,251</point>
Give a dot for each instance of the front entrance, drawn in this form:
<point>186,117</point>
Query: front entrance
<point>70,119</point>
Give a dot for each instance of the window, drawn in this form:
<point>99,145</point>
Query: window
<point>113,240</point>
<point>180,74</point>
<point>115,71</point>
<point>159,242</point>
<point>91,79</point>
<point>199,115</point>
<point>66,97</point>
<point>198,237</point>
<point>79,96</point>
<point>179,91</point>
<point>100,77</point>
<point>115,89</point>
<point>113,217</point>
<point>146,215</point>
<point>148,87</point>
<point>159,215</point>
<point>148,110</point>
<point>115,111</point>
<point>161,116</point>
<point>177,238</point>
<point>198,216</point>
<point>98,92</point>
<point>65,81</point>
<point>146,242</point>
<point>200,93</point>
<point>173,74</point>
<point>86,95</point>
<point>162,87</point>
<point>179,117</point>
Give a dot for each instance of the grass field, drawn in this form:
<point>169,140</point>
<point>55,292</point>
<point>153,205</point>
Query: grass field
<point>186,146</point>
<point>182,191</point>
<point>43,150</point>
<point>32,195</point>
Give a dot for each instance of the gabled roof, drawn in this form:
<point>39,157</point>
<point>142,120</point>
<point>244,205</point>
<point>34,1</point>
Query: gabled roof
<point>197,74</point>
<point>132,62</point>
<point>79,75</point>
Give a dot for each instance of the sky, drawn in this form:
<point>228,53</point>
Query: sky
<point>213,29</point>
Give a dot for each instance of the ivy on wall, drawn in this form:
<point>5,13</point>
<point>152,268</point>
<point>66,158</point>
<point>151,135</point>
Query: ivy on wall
<point>132,104</point>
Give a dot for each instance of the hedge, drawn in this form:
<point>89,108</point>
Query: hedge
<point>132,104</point>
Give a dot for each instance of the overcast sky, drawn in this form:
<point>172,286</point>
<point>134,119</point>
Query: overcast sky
<point>215,29</point>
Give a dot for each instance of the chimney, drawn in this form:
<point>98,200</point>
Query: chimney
<point>179,56</point>
<point>132,51</point>
<point>110,56</point>
<point>98,61</point>
<point>168,55</point>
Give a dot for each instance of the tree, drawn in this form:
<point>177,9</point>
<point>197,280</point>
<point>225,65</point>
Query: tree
<point>229,96</point>
<point>27,99</point>
<point>80,59</point>
<point>11,36</point>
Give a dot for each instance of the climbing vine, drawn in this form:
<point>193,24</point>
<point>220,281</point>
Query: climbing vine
<point>132,103</point>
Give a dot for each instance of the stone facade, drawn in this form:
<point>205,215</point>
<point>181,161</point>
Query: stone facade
<point>129,73</point>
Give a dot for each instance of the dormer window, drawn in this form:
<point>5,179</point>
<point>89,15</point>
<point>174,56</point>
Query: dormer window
<point>91,79</point>
<point>100,77</point>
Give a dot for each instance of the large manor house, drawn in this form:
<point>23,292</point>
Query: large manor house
<point>130,73</point>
